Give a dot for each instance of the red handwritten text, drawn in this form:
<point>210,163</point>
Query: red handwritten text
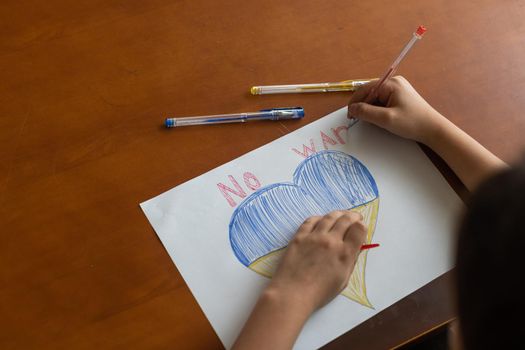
<point>326,139</point>
<point>250,180</point>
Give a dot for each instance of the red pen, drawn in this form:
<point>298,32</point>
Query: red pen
<point>417,35</point>
<point>368,246</point>
<point>372,95</point>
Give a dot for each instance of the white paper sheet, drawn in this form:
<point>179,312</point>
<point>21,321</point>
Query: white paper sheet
<point>415,224</point>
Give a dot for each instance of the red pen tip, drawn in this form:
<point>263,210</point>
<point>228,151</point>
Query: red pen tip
<point>368,246</point>
<point>421,30</point>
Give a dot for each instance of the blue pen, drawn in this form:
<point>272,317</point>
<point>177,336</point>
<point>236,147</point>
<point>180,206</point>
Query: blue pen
<point>264,114</point>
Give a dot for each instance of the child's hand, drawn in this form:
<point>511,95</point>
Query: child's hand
<point>314,269</point>
<point>320,258</point>
<point>398,109</point>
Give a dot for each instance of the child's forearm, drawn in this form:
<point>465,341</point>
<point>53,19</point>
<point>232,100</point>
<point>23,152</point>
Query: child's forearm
<point>275,322</point>
<point>471,162</point>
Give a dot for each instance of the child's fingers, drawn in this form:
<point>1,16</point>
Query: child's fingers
<point>344,222</point>
<point>377,115</point>
<point>355,236</point>
<point>360,94</point>
<point>382,95</point>
<point>327,222</point>
<point>309,224</point>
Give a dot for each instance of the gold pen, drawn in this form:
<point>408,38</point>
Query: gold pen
<point>346,85</point>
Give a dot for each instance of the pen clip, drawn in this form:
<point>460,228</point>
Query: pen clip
<point>285,112</point>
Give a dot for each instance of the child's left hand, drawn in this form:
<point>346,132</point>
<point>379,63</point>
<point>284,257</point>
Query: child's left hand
<point>320,258</point>
<point>314,269</point>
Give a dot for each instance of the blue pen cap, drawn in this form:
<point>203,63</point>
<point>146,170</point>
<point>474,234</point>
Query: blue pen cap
<point>286,112</point>
<point>170,122</point>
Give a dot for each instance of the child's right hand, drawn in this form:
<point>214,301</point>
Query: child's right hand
<point>402,111</point>
<point>398,109</point>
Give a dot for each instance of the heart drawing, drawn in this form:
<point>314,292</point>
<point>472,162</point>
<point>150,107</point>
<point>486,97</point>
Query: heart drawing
<point>263,224</point>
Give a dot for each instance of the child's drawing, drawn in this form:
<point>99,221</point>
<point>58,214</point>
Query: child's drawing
<point>263,224</point>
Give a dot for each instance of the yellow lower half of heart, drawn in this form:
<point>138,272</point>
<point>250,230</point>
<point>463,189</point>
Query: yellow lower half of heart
<point>356,288</point>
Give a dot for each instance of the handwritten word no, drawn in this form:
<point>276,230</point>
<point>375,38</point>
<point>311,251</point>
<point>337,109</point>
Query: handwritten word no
<point>250,181</point>
<point>325,139</point>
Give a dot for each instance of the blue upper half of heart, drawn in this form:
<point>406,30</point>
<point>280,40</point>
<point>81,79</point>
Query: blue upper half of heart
<point>324,182</point>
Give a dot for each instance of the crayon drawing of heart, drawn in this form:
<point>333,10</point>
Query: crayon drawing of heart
<point>263,224</point>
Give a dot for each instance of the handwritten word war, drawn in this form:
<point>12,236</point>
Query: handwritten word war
<point>327,139</point>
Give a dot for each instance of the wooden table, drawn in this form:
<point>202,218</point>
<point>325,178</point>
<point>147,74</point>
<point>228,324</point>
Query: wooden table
<point>84,88</point>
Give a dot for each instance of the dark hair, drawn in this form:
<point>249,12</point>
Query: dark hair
<point>490,269</point>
